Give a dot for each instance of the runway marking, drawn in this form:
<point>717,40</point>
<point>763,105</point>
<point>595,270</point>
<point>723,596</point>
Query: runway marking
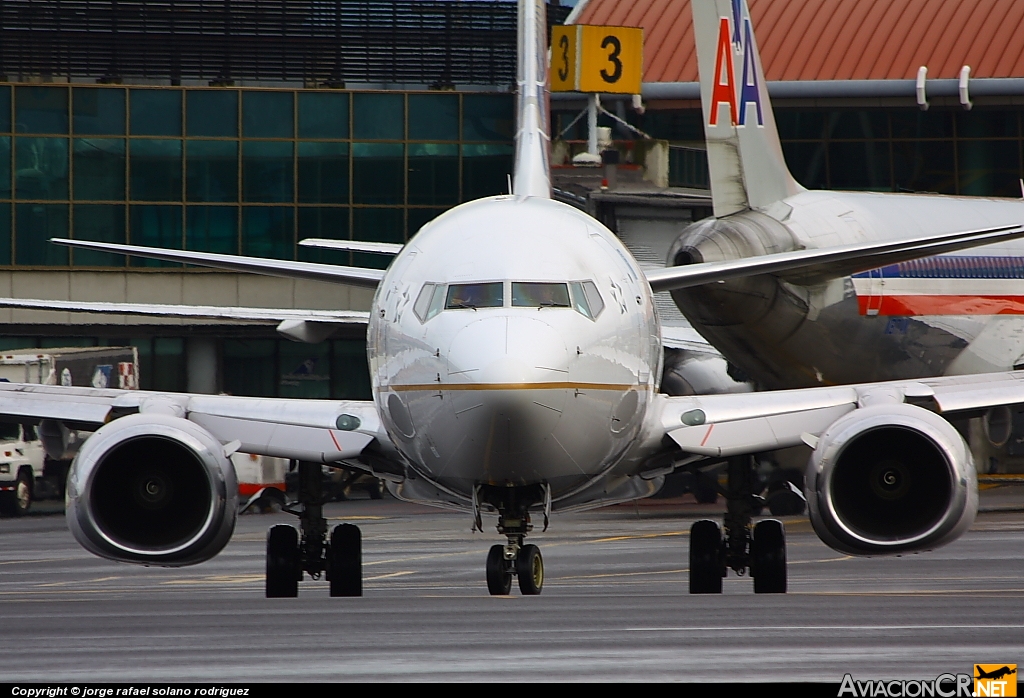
<point>45,559</point>
<point>806,628</point>
<point>219,579</point>
<point>77,581</point>
<point>403,573</point>
<point>826,559</point>
<point>356,518</point>
<point>644,535</point>
<point>619,574</point>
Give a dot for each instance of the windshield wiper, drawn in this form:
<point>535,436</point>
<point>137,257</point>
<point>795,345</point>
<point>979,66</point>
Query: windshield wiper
<point>462,305</point>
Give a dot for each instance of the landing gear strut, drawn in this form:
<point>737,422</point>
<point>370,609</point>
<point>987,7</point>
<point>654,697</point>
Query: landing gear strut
<point>761,548</point>
<point>288,556</point>
<point>514,559</point>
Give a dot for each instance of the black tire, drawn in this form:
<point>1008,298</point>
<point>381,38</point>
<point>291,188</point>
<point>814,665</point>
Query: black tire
<point>283,569</point>
<point>768,557</point>
<point>345,561</point>
<point>703,492</point>
<point>499,576</point>
<point>377,490</point>
<point>705,558</point>
<point>530,570</point>
<point>18,501</point>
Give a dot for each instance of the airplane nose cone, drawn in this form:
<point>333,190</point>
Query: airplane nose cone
<point>508,351</point>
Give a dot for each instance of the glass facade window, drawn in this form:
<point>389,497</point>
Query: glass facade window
<point>211,229</point>
<point>323,222</point>
<point>433,117</point>
<point>154,225</point>
<point>155,169</point>
<point>267,231</point>
<point>376,225</point>
<point>41,168</point>
<point>34,225</point>
<point>250,367</point>
<point>305,370</point>
<point>433,173</point>
<point>419,217</point>
<point>485,170</point>
<point>97,111</point>
<point>323,115</point>
<point>267,114</point>
<point>99,169</point>
<point>5,167</point>
<point>102,223</point>
<point>5,109</point>
<point>488,117</point>
<point>323,173</point>
<point>989,167</point>
<point>168,364</point>
<point>211,171</point>
<point>5,233</point>
<point>39,109</point>
<point>350,373</point>
<point>267,171</point>
<point>211,113</point>
<point>155,112</point>
<point>378,173</point>
<point>378,117</point>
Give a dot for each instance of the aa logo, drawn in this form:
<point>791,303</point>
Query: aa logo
<point>995,679</point>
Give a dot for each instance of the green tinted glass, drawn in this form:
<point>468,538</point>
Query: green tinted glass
<point>378,173</point>
<point>433,173</point>
<point>154,225</point>
<point>378,116</point>
<point>41,165</point>
<point>34,225</point>
<point>211,170</point>
<point>267,232</point>
<point>169,364</point>
<point>211,229</point>
<point>5,167</point>
<point>98,111</point>
<point>250,367</point>
<point>211,113</point>
<point>305,370</point>
<point>419,217</point>
<point>40,109</point>
<point>103,223</point>
<point>485,170</point>
<point>323,115</point>
<point>267,171</point>
<point>323,173</point>
<point>267,114</point>
<point>434,117</point>
<point>155,169</point>
<point>988,168</point>
<point>5,109</point>
<point>155,112</point>
<point>5,233</point>
<point>350,374</point>
<point>376,225</point>
<point>487,118</point>
<point>99,169</point>
<point>317,222</point>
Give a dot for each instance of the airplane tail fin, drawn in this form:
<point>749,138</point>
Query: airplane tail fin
<point>744,153</point>
<point>532,174</point>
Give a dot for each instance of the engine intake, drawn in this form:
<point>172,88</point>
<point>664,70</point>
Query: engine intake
<point>152,489</point>
<point>891,479</point>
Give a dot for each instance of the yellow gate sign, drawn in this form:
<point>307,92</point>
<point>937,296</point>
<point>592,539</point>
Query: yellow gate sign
<point>595,58</point>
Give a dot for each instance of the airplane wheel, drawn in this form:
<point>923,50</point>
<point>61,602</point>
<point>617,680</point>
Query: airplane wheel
<point>18,501</point>
<point>283,569</point>
<point>530,570</point>
<point>499,577</point>
<point>377,490</point>
<point>705,558</point>
<point>345,561</point>
<point>768,557</point>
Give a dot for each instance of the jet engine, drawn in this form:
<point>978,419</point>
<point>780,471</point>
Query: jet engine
<point>152,489</point>
<point>890,479</point>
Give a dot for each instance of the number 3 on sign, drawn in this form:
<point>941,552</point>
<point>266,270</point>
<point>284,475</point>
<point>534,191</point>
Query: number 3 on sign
<point>591,58</point>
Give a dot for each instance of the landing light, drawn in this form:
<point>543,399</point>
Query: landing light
<point>347,422</point>
<point>693,418</point>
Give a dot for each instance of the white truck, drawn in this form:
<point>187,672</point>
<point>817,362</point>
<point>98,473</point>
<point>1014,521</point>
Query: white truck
<point>34,458</point>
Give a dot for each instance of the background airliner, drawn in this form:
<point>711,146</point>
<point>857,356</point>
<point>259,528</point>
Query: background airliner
<point>515,355</point>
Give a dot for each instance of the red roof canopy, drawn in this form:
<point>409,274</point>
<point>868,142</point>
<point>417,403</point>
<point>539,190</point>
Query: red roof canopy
<point>838,39</point>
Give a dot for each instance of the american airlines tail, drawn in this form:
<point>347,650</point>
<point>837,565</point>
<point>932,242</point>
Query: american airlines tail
<point>531,176</point>
<point>745,158</point>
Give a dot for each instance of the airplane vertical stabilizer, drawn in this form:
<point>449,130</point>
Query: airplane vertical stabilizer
<point>744,154</point>
<point>532,174</point>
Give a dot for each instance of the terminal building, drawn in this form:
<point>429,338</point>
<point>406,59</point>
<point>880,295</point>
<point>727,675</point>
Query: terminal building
<point>244,126</point>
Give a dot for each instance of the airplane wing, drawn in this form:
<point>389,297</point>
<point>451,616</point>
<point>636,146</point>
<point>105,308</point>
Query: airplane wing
<point>353,245</point>
<point>818,265</point>
<point>323,431</point>
<point>356,276</point>
<point>726,425</point>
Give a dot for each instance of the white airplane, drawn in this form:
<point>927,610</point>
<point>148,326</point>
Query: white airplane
<point>515,355</point>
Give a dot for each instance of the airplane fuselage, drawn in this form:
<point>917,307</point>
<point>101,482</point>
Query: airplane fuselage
<point>952,314</point>
<point>514,342</point>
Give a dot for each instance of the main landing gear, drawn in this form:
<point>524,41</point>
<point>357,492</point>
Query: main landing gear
<point>761,548</point>
<point>288,556</point>
<point>514,559</point>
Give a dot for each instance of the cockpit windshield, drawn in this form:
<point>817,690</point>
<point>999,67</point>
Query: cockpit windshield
<point>539,295</point>
<point>473,296</point>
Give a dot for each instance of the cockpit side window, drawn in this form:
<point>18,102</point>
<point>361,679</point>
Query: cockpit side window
<point>593,298</point>
<point>579,299</point>
<point>429,302</point>
<point>539,295</point>
<point>473,296</point>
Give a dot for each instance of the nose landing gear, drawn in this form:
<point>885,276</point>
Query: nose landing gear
<point>514,559</point>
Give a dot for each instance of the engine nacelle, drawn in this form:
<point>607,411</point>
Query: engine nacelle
<point>890,479</point>
<point>152,489</point>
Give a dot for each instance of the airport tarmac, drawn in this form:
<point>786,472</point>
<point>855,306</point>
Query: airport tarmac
<point>615,607</point>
